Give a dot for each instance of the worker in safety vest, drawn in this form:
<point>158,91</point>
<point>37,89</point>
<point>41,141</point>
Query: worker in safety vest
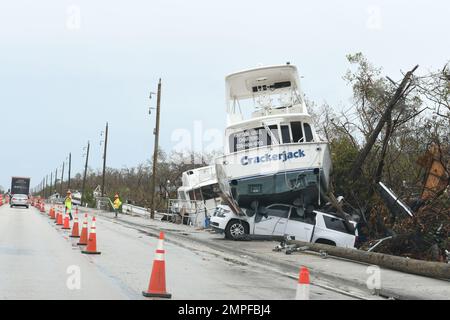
<point>68,203</point>
<point>117,204</point>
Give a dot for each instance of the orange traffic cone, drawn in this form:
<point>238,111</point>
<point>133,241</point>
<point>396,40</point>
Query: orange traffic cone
<point>57,214</point>
<point>75,228</point>
<point>52,213</point>
<point>59,219</point>
<point>66,225</point>
<point>157,285</point>
<point>92,240</point>
<point>84,232</point>
<point>303,285</point>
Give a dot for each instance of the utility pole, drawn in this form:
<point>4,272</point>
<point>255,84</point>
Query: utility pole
<point>62,179</point>
<point>104,160</point>
<point>155,152</point>
<point>84,176</point>
<point>70,167</point>
<point>56,178</point>
<point>46,184</point>
<point>51,183</point>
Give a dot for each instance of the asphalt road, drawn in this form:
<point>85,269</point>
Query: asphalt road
<point>39,261</point>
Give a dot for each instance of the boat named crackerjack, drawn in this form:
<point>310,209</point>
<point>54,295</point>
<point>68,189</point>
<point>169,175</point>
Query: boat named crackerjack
<point>272,153</point>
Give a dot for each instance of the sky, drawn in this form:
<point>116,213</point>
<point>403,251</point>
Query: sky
<point>68,67</point>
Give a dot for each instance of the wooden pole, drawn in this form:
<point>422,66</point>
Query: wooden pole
<point>62,179</point>
<point>104,160</point>
<point>84,175</point>
<point>70,167</point>
<point>46,186</point>
<point>155,153</point>
<point>51,183</point>
<point>431,269</point>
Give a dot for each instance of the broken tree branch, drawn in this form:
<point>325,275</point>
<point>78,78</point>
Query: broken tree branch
<point>356,168</point>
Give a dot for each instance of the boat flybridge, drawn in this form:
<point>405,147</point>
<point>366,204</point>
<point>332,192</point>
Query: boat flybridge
<point>198,196</point>
<point>200,185</point>
<point>272,153</point>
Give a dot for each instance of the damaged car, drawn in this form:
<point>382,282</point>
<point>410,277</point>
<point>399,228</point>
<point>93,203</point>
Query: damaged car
<point>299,223</point>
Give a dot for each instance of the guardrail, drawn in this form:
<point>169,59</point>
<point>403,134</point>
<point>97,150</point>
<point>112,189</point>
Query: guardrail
<point>140,211</point>
<point>103,203</point>
<point>190,212</point>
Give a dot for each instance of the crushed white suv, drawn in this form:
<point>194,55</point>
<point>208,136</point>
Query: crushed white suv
<point>286,220</point>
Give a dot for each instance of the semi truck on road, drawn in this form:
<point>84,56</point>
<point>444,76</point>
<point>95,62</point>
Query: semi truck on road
<point>20,185</point>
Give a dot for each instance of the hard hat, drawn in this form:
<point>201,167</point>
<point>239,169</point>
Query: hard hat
<point>68,192</point>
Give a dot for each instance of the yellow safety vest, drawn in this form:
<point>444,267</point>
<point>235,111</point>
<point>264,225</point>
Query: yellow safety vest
<point>117,203</point>
<point>68,203</point>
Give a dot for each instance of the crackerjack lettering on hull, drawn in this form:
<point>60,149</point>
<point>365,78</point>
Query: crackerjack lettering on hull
<point>195,310</point>
<point>284,156</point>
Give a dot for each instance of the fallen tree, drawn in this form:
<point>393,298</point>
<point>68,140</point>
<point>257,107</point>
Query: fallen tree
<point>379,137</point>
<point>423,268</point>
<point>398,95</point>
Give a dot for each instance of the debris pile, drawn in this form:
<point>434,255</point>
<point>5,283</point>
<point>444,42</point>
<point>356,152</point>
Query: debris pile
<point>426,236</point>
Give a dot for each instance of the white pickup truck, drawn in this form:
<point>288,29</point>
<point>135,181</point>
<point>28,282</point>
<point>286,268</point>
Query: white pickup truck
<point>285,220</point>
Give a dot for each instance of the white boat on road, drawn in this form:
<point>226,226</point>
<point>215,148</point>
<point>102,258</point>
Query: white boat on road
<point>272,152</point>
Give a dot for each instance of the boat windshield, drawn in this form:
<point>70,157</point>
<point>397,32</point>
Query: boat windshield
<point>265,100</point>
<point>290,132</point>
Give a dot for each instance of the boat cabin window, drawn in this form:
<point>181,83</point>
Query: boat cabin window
<point>195,195</point>
<point>274,130</point>
<point>210,192</point>
<point>198,194</point>
<point>308,132</point>
<point>248,139</point>
<point>181,195</point>
<point>259,137</point>
<point>297,132</point>
<point>285,135</point>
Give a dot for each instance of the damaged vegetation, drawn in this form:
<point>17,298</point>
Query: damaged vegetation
<point>396,133</point>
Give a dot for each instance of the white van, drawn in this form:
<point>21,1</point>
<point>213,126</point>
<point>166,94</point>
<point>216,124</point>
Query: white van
<point>286,220</point>
<point>76,198</point>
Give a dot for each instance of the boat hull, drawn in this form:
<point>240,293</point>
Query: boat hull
<point>275,174</point>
